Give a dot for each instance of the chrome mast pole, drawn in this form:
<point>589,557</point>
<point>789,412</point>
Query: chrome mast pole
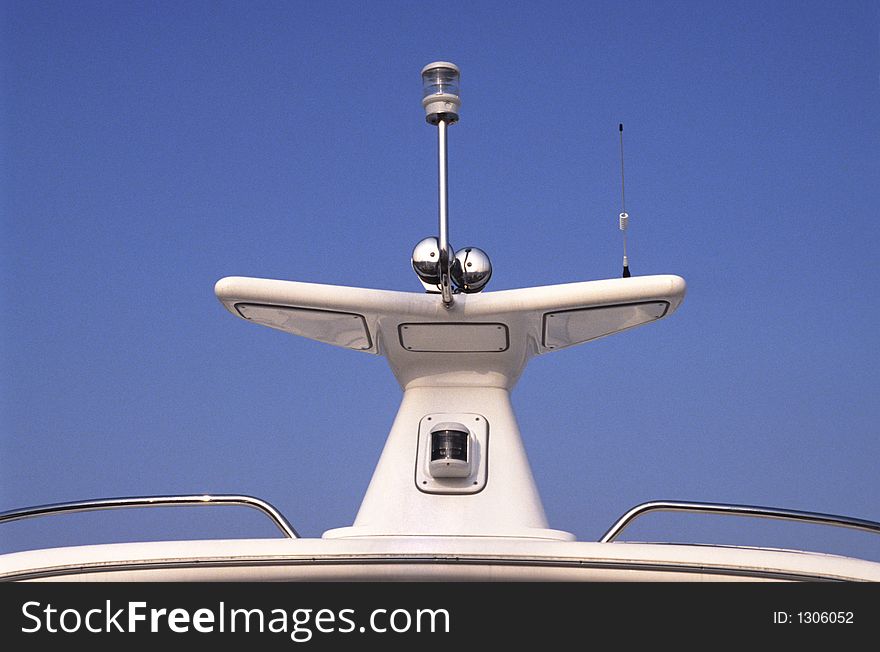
<point>441,101</point>
<point>445,266</point>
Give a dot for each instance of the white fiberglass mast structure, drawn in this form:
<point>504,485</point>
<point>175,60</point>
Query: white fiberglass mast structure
<point>454,462</point>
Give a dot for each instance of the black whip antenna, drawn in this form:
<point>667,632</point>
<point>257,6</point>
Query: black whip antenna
<point>624,218</point>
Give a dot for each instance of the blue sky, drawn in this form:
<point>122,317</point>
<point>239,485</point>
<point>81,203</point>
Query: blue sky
<point>151,148</point>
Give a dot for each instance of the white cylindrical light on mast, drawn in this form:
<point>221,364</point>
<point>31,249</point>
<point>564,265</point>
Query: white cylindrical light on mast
<point>440,92</point>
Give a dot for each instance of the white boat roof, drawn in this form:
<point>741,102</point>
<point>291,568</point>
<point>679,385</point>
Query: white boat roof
<point>425,559</point>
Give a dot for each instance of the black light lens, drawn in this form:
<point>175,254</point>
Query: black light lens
<point>449,445</point>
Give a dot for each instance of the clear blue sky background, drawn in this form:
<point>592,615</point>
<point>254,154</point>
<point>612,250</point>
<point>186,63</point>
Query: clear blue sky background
<point>151,148</point>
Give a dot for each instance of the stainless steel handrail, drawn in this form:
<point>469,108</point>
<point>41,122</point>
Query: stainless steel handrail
<point>815,518</point>
<point>152,501</point>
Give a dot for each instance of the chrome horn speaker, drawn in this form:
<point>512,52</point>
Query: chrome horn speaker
<point>426,263</point>
<point>471,270</point>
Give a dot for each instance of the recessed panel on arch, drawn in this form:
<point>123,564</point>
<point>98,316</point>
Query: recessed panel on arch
<point>345,329</point>
<point>568,327</point>
<point>454,337</point>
